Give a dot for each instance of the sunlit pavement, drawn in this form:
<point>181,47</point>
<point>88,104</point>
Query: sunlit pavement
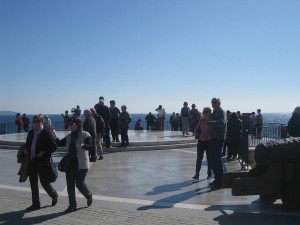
<point>145,187</point>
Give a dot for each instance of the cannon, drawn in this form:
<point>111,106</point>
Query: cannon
<point>275,176</point>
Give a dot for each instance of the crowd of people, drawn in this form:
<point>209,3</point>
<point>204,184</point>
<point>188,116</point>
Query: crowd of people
<point>214,129</point>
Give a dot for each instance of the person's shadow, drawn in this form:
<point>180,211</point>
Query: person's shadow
<point>17,217</point>
<point>172,187</point>
<point>170,201</point>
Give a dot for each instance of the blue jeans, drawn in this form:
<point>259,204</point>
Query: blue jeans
<point>215,151</point>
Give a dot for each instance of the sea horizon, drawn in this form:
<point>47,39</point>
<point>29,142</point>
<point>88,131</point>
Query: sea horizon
<point>269,118</point>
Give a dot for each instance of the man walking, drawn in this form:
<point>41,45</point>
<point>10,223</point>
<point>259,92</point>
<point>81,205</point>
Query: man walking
<point>217,134</point>
<point>40,144</point>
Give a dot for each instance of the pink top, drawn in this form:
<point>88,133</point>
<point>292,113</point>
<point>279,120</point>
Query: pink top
<point>203,130</point>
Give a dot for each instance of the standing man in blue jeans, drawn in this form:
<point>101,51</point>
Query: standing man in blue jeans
<point>217,134</point>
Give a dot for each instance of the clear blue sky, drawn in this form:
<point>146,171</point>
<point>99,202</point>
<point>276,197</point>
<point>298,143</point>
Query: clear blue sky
<point>56,54</point>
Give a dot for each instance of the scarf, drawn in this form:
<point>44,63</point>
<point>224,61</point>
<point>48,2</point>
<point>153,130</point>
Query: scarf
<point>72,146</point>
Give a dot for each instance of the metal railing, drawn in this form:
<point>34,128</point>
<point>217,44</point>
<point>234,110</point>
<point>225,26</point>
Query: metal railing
<point>256,135</point>
<point>10,127</point>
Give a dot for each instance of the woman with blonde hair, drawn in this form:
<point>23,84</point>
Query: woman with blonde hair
<point>201,133</point>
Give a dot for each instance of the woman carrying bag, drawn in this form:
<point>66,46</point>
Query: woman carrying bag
<point>78,144</point>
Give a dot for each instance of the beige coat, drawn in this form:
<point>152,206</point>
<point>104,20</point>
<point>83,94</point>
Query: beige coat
<point>22,157</point>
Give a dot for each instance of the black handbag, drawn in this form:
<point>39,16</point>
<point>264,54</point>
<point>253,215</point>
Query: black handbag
<point>53,174</point>
<point>64,163</point>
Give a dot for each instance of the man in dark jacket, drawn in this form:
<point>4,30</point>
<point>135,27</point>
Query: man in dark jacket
<point>100,128</point>
<point>40,144</point>
<point>89,125</point>
<point>217,133</point>
<point>104,111</point>
<point>114,122</point>
<point>150,118</point>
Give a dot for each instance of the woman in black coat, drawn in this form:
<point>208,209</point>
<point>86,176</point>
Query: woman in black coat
<point>233,137</point>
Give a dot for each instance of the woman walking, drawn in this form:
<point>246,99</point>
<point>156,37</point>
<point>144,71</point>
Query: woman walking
<point>78,143</point>
<point>124,121</point>
<point>201,133</point>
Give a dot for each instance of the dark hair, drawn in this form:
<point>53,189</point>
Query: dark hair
<point>234,115</point>
<point>76,120</point>
<point>101,98</point>
<point>39,117</point>
<point>113,102</point>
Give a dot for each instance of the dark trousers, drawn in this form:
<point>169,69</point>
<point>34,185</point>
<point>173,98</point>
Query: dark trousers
<point>40,169</point>
<point>26,127</point>
<point>203,146</point>
<point>107,135</point>
<point>176,126</point>
<point>66,126</point>
<point>215,155</point>
<point>76,177</point>
<point>172,127</point>
<point>114,126</point>
<point>258,131</point>
<point>233,149</point>
<point>150,126</point>
<point>124,136</point>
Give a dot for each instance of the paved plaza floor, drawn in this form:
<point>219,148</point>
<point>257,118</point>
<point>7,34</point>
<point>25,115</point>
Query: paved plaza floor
<point>144,187</point>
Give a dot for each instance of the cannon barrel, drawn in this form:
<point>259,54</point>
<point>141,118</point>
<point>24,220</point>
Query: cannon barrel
<point>276,174</point>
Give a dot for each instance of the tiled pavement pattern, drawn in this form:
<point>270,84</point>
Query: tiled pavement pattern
<point>137,188</point>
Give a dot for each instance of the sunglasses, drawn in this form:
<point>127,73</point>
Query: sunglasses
<point>36,121</point>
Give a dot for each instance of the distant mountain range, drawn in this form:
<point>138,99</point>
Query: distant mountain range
<point>7,113</point>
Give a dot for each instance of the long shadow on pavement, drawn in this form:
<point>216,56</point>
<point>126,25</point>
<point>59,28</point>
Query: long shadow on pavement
<point>169,202</point>
<point>17,218</point>
<point>172,187</point>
